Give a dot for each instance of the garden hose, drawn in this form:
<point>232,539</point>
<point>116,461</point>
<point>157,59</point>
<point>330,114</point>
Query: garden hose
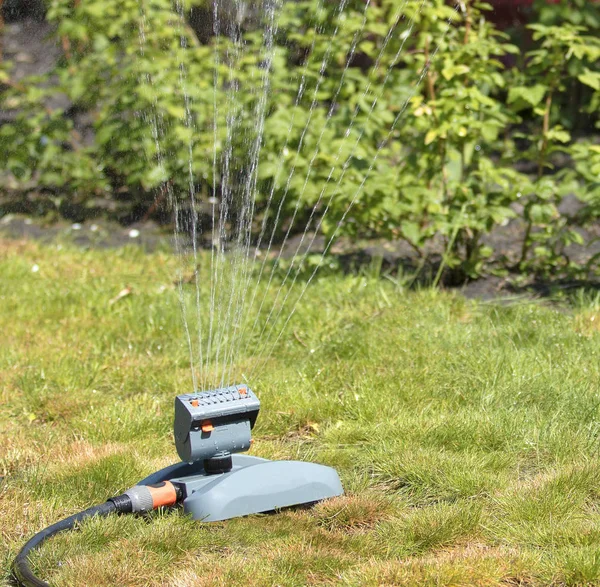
<point>138,499</point>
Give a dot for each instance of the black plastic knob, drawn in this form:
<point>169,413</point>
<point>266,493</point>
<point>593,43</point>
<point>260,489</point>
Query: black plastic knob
<point>218,464</point>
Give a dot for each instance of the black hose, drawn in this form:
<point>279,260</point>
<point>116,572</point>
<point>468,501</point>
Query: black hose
<point>21,569</point>
<point>141,498</point>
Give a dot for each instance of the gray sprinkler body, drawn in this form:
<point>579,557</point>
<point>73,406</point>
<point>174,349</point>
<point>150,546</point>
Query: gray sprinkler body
<point>216,483</point>
<point>214,422</point>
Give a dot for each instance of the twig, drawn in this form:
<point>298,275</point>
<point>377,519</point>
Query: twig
<point>299,339</point>
<point>468,22</point>
<point>157,201</point>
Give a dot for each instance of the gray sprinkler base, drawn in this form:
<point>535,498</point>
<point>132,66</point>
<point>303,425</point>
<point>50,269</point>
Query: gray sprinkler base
<point>252,486</point>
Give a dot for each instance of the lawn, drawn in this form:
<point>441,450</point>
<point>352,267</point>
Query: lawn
<point>466,433</point>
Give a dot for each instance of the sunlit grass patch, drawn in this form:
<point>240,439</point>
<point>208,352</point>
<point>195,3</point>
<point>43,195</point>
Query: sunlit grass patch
<point>588,322</point>
<point>474,565</point>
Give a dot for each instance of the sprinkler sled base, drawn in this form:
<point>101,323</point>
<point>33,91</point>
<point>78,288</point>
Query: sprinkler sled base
<point>253,485</point>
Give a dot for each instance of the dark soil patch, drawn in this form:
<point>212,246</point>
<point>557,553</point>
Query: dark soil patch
<point>377,257</point>
<point>101,234</point>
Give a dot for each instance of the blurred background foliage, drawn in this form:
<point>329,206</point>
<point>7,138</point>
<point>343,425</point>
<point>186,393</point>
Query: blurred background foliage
<point>408,119</point>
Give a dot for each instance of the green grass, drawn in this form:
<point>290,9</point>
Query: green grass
<point>466,434</point>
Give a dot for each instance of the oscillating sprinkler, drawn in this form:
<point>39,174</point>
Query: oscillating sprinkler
<point>217,483</point>
<point>214,482</point>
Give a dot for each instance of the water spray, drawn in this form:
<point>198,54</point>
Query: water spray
<point>213,482</point>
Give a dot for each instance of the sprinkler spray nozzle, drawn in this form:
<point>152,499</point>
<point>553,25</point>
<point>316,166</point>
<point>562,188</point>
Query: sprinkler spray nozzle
<point>211,425</point>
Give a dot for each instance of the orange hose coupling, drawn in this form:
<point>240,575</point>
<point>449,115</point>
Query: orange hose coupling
<point>163,494</point>
<point>149,497</point>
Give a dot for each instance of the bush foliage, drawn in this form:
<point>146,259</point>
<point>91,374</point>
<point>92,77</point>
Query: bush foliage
<point>406,119</point>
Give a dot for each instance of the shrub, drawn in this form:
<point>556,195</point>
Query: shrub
<point>562,53</point>
<point>386,119</point>
<point>400,161</point>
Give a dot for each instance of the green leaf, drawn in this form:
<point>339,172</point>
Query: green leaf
<point>454,70</point>
<point>542,213</point>
<point>155,176</point>
<point>559,134</point>
<point>590,78</point>
<point>412,232</point>
<point>489,132</point>
<point>176,111</point>
<point>431,136</point>
<point>532,95</point>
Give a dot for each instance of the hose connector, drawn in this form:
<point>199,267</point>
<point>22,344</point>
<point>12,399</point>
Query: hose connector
<point>145,498</point>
